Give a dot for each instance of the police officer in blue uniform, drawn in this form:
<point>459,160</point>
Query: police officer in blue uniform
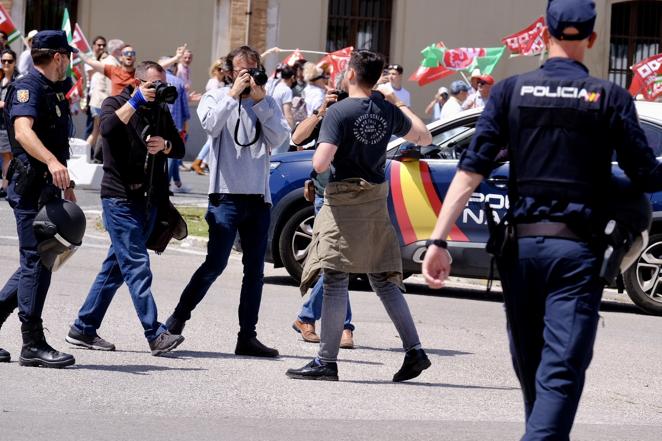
<point>561,127</point>
<point>39,123</point>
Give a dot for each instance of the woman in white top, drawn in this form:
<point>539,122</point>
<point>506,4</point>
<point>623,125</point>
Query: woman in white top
<point>217,79</point>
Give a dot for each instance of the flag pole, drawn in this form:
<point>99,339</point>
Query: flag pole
<point>279,50</point>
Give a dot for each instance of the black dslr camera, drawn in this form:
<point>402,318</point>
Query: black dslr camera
<point>165,93</point>
<point>259,76</point>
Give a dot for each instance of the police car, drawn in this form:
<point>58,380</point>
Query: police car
<point>419,177</point>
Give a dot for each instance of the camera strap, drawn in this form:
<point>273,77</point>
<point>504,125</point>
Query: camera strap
<point>258,129</point>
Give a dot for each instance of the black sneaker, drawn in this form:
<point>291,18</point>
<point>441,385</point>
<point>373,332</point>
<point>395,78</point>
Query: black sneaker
<point>3,194</point>
<point>77,338</point>
<point>416,361</point>
<point>254,348</point>
<point>4,356</point>
<point>315,370</point>
<point>165,342</point>
<point>174,325</point>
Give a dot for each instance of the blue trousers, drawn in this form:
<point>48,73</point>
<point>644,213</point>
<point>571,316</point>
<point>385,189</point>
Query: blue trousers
<point>228,214</point>
<point>28,286</point>
<point>311,310</point>
<point>552,295</point>
<point>173,170</point>
<point>127,261</point>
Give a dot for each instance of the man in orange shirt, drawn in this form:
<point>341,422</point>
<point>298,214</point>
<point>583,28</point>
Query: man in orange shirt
<point>123,75</point>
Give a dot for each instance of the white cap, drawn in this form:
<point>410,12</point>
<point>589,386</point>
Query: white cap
<point>442,90</point>
<point>31,34</point>
<point>475,73</point>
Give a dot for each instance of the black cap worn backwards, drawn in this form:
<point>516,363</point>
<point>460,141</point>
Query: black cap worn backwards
<point>55,40</point>
<point>579,14</point>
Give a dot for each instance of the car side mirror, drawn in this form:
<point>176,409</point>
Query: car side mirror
<point>408,152</point>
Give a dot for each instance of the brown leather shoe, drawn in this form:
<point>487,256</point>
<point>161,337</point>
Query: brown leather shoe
<point>347,340</point>
<point>197,167</point>
<point>307,331</point>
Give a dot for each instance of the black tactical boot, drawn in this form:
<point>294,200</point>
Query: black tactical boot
<point>36,352</point>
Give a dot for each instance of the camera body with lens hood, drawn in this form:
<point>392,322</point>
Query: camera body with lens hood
<point>165,92</point>
<point>259,76</point>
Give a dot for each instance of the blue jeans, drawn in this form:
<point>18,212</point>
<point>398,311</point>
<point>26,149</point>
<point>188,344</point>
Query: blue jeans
<point>28,286</point>
<point>311,310</point>
<point>128,261</point>
<point>173,170</point>
<point>552,295</point>
<point>228,214</point>
<point>204,152</point>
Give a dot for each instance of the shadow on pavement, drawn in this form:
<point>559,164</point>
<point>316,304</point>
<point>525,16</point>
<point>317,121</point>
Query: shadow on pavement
<point>221,355</point>
<point>440,352</point>
<point>136,369</point>
<point>443,385</point>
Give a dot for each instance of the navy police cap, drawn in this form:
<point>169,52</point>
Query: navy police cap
<point>56,40</point>
<point>579,14</point>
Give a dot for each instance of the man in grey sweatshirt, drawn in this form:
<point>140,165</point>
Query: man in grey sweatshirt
<point>245,125</point>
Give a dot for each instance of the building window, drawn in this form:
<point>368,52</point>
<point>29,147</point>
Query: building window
<point>363,24</point>
<point>636,34</point>
<point>47,14</point>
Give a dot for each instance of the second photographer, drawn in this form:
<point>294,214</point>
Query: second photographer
<point>245,125</point>
<point>138,135</point>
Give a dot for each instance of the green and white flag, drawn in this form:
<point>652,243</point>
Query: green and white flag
<point>66,25</point>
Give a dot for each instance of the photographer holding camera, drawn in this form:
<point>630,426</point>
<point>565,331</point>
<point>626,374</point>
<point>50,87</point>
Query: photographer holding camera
<point>245,125</point>
<point>138,135</point>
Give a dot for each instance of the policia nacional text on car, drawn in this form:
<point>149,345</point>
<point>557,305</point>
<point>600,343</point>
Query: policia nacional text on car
<point>39,124</point>
<point>561,126</point>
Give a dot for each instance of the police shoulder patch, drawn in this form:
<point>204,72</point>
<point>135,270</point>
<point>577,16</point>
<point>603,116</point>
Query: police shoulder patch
<point>23,95</point>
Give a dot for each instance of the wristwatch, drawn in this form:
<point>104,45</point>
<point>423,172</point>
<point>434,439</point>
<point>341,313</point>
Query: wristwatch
<point>441,243</point>
<point>168,147</point>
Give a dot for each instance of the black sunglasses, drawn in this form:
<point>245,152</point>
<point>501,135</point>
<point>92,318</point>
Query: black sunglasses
<point>8,61</point>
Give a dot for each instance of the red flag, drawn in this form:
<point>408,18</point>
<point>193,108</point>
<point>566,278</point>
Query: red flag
<point>7,26</point>
<point>79,41</point>
<point>293,58</point>
<point>645,77</point>
<point>462,57</point>
<point>335,62</point>
<point>426,75</point>
<point>527,41</point>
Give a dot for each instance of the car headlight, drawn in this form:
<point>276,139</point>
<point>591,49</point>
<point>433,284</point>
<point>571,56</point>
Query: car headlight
<point>273,165</point>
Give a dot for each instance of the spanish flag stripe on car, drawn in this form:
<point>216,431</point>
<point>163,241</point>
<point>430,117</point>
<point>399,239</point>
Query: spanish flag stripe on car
<point>416,202</point>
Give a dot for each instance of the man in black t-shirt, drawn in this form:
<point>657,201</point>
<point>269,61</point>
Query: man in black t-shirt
<point>353,232</point>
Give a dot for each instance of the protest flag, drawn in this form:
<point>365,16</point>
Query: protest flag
<point>645,79</point>
<point>7,25</point>
<point>527,41</point>
<point>335,62</point>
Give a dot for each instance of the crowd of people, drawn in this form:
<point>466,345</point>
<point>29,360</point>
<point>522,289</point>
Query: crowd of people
<point>139,115</point>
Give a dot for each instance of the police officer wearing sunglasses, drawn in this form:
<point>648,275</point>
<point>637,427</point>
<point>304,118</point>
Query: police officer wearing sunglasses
<point>39,123</point>
<point>562,126</point>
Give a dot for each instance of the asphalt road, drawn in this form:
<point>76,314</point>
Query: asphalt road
<point>202,391</point>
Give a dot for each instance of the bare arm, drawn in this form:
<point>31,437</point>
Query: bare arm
<point>287,113</point>
<point>418,134</point>
<point>97,65</point>
<point>35,148</point>
<point>323,156</point>
<point>430,107</point>
<point>304,129</point>
<point>437,262</point>
<point>166,63</point>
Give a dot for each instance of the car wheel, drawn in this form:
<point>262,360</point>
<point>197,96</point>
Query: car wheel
<point>294,240</point>
<point>643,280</point>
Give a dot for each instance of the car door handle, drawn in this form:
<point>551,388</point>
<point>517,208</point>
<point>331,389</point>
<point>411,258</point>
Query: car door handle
<point>499,181</point>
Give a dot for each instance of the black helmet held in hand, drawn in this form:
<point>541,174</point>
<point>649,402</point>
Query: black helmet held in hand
<point>626,231</point>
<point>59,227</point>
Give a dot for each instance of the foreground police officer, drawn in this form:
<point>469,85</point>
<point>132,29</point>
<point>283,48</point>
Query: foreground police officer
<point>561,126</point>
<point>39,128</point>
